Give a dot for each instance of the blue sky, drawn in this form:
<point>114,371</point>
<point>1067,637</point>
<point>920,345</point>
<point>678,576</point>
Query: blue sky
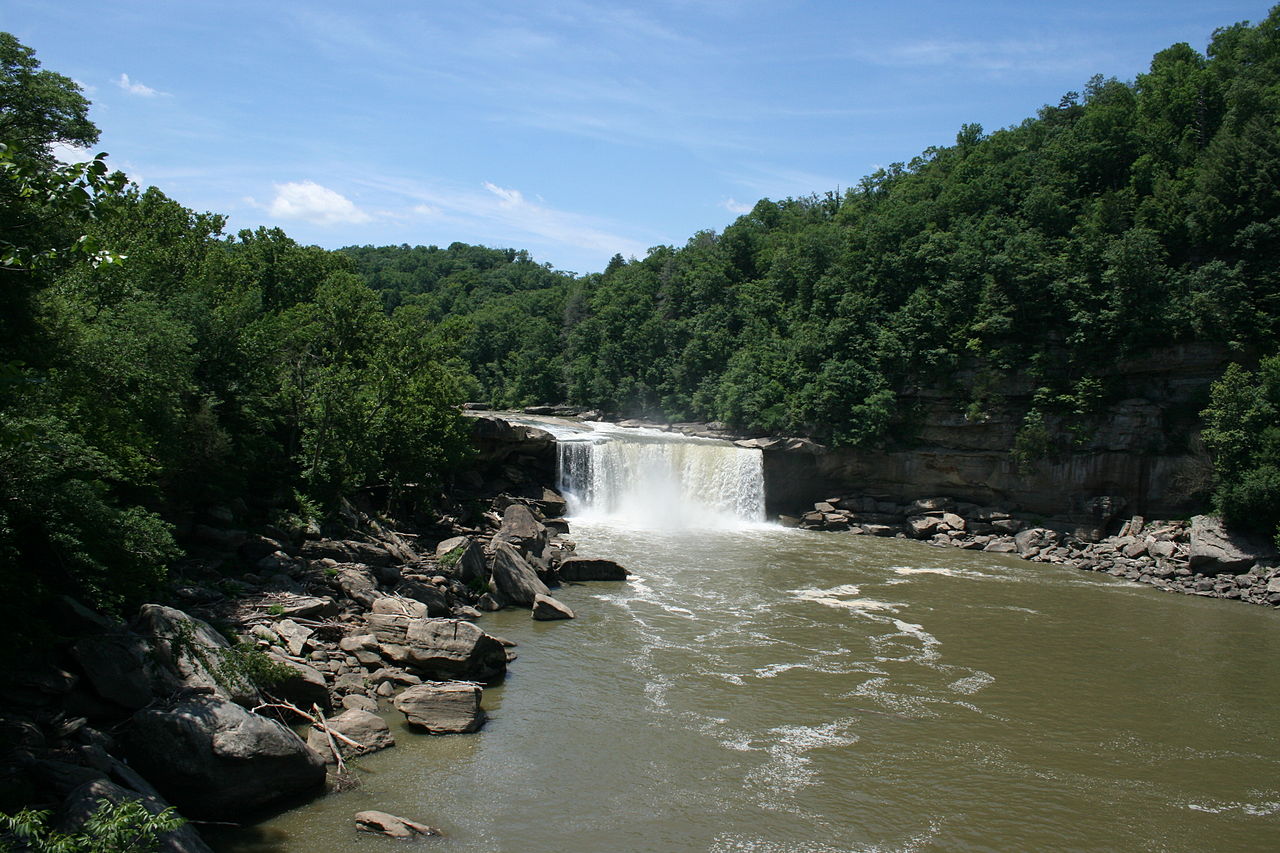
<point>571,128</point>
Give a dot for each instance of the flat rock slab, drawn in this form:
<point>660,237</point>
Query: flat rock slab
<point>391,825</point>
<point>443,708</point>
<point>1214,549</point>
<point>591,569</point>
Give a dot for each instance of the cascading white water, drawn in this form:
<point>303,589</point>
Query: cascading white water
<point>646,478</point>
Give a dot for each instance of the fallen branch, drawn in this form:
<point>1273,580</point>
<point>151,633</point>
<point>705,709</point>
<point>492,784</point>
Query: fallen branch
<point>319,722</point>
<point>333,746</point>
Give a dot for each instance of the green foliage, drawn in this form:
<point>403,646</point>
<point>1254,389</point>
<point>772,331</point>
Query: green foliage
<point>451,558</point>
<point>151,366</point>
<point>1242,433</point>
<point>1130,216</point>
<point>126,827</point>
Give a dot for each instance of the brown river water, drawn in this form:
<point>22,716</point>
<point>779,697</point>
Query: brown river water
<point>760,689</point>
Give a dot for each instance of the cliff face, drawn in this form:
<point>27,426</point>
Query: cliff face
<point>1138,449</point>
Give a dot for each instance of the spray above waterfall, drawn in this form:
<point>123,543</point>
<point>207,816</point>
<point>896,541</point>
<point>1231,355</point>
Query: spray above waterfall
<point>647,478</point>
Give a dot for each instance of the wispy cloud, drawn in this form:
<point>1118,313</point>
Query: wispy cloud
<point>734,206</point>
<point>980,55</point>
<point>507,216</point>
<point>314,203</point>
<point>133,87</point>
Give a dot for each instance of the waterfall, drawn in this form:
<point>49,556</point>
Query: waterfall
<point>646,478</point>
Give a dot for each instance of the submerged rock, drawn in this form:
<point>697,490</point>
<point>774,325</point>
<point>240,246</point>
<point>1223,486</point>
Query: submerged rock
<point>391,825</point>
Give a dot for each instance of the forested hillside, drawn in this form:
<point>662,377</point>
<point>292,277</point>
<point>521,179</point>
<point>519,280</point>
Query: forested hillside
<point>1124,218</point>
<point>152,366</point>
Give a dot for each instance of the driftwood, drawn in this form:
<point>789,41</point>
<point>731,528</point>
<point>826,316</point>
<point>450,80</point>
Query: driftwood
<point>316,720</point>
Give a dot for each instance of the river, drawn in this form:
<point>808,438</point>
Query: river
<point>754,688</point>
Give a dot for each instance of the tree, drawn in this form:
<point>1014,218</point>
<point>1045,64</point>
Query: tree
<point>39,109</point>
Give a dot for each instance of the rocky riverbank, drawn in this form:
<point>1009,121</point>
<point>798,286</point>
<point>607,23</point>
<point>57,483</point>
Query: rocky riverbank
<point>265,669</point>
<point>1196,557</point>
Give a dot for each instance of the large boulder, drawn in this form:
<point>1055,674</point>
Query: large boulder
<point>117,667</point>
<point>514,580</point>
<point>365,728</point>
<point>590,569</point>
<point>522,530</point>
<point>449,708</point>
<point>188,652</point>
<point>357,583</point>
<point>463,557</point>
<point>439,648</point>
<point>304,687</point>
<point>85,800</point>
<point>1215,549</point>
<point>213,759</point>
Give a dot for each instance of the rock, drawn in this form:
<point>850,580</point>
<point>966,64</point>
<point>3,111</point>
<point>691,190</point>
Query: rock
<point>443,708</point>
<point>447,648</point>
<point>514,580</point>
<point>357,585</point>
<point>364,727</point>
<point>1029,541</point>
<point>1215,549</point>
<point>395,606</point>
<point>521,530</point>
<point>392,826</point>
<point>213,759</point>
<point>591,569</point>
<point>84,802</point>
<point>294,635</point>
<point>116,666</point>
<point>348,551</point>
<point>359,702</point>
<point>1007,525</point>
<point>1000,546</point>
<point>462,557</point>
<point>922,526</point>
<point>435,599</point>
<point>1103,510</point>
<point>546,608</point>
<point>304,688</point>
<point>353,642</point>
<point>924,505</point>
<point>187,652</point>
<point>303,606</point>
<point>953,522</point>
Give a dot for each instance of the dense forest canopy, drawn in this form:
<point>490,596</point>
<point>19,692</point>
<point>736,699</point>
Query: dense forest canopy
<point>152,365</point>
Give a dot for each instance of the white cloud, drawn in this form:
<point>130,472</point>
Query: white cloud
<point>133,87</point>
<point>309,201</point>
<point>65,153</point>
<point>735,206</point>
<point>504,216</point>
